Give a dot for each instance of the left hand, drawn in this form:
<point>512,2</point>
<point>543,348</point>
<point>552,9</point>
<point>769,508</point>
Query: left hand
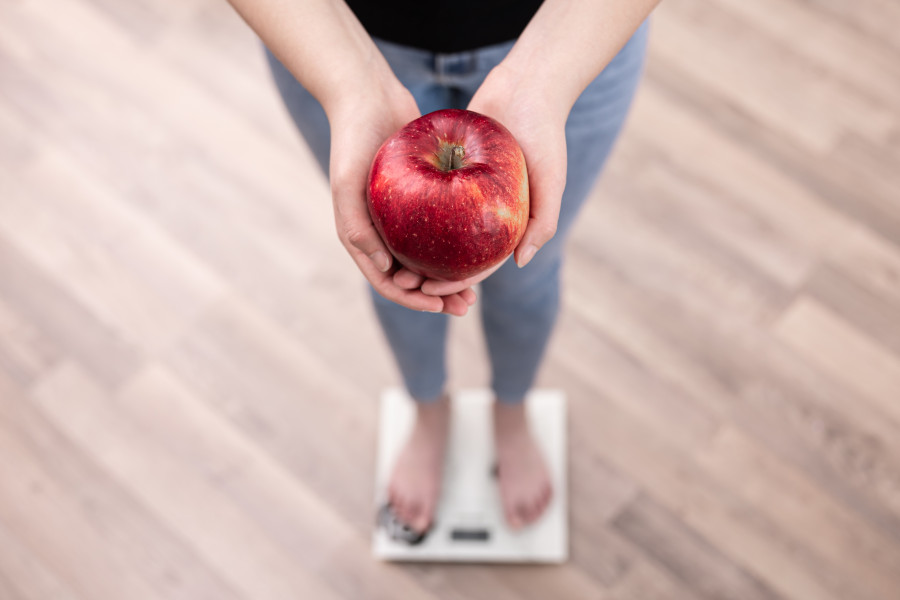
<point>539,126</point>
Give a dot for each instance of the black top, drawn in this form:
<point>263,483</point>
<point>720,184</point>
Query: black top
<point>445,25</point>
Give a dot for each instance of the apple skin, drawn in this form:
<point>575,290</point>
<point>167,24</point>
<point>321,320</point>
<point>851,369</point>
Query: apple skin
<point>448,193</point>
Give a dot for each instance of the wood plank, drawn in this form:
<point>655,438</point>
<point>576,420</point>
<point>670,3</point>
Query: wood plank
<point>836,51</point>
<point>698,126</point>
<point>646,582</point>
<point>862,558</point>
<point>708,217</point>
<point>122,267</point>
<point>846,355</point>
<point>282,506</point>
<point>74,105</point>
<point>40,299</point>
<point>688,556</point>
<point>208,521</point>
<point>735,371</point>
<point>748,63</point>
<point>873,261</point>
<point>97,539</point>
<point>778,168</point>
<point>25,353</point>
<point>841,290</point>
<point>215,49</point>
<point>143,20</point>
<point>23,576</point>
<point>235,356</point>
<point>871,19</point>
<point>667,472</point>
<point>677,253</point>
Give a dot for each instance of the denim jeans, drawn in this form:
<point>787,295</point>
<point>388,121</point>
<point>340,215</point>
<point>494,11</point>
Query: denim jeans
<point>518,306</point>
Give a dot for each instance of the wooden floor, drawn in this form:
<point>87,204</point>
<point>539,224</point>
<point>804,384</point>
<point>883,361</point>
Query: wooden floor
<point>189,365</point>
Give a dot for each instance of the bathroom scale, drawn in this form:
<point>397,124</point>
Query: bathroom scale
<point>469,524</point>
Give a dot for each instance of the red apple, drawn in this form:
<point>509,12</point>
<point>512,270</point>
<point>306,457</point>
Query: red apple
<point>448,194</point>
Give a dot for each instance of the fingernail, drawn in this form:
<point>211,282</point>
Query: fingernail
<point>527,255</point>
<point>381,260</point>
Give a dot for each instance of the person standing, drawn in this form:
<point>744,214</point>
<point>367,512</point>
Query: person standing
<point>560,75</point>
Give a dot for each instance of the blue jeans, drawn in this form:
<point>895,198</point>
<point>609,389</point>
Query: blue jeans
<point>518,306</point>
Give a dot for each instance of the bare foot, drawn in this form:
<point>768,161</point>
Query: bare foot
<point>525,487</point>
<point>415,482</point>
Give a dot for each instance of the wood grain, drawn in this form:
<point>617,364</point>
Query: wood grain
<point>189,363</point>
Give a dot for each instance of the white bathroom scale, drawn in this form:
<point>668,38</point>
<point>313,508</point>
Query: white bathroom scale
<point>469,525</point>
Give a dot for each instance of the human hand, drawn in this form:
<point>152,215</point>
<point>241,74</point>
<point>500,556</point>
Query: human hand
<point>359,125</point>
<point>538,124</point>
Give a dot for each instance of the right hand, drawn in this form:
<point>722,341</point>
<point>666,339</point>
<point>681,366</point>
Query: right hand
<point>359,125</point>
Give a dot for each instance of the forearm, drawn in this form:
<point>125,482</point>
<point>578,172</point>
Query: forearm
<point>569,42</point>
<point>321,42</point>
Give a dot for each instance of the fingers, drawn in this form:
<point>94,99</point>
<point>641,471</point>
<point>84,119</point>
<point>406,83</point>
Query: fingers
<point>406,279</point>
<point>468,295</point>
<point>452,304</point>
<point>456,302</point>
<point>455,305</point>
<point>434,287</point>
<point>384,285</point>
<point>374,261</point>
<point>351,215</point>
<point>357,230</point>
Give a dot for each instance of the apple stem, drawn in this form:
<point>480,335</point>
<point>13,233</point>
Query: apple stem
<point>456,157</point>
<point>450,157</point>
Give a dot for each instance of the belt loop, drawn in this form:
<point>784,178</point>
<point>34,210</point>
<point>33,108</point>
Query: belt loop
<point>456,64</point>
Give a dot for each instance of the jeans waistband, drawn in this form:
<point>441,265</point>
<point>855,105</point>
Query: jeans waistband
<point>450,64</point>
<point>458,63</point>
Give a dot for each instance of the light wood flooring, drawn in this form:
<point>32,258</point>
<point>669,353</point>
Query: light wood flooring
<point>189,365</point>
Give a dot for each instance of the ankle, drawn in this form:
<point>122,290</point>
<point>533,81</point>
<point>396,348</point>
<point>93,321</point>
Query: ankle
<point>434,412</point>
<point>432,405</point>
<point>510,420</point>
<point>509,410</point>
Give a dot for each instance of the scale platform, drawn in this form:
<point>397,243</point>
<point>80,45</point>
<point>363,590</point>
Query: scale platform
<point>469,525</point>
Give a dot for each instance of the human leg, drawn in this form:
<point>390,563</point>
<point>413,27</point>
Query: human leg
<point>417,339</point>
<point>520,306</point>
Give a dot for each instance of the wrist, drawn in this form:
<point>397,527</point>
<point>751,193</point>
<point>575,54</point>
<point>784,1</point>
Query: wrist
<point>506,86</point>
<point>545,80</point>
<point>371,82</point>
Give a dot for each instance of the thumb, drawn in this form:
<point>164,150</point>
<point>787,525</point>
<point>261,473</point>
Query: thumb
<point>357,231</point>
<point>365,238</point>
<point>546,196</point>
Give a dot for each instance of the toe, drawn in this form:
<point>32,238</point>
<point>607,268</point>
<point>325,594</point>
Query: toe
<point>427,516</point>
<point>512,517</point>
<point>392,497</point>
<point>420,523</point>
<point>414,510</point>
<point>538,508</point>
<point>524,514</point>
<point>419,518</point>
<point>542,498</point>
<point>400,508</point>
